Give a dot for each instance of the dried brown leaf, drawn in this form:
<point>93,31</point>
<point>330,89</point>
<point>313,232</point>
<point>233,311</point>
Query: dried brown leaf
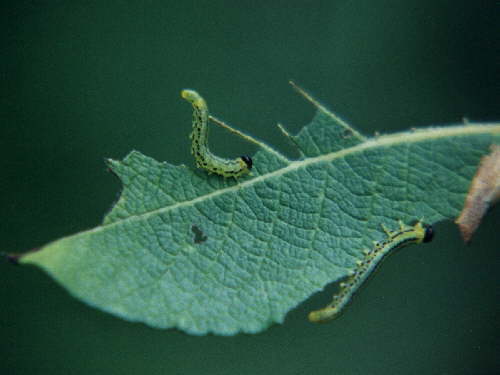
<point>483,193</point>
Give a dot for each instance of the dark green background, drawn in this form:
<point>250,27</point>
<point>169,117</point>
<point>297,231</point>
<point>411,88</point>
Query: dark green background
<point>84,80</point>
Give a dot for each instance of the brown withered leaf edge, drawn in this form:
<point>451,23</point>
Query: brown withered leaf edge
<point>483,193</point>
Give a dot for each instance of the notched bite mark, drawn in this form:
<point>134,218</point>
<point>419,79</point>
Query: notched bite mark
<point>199,236</point>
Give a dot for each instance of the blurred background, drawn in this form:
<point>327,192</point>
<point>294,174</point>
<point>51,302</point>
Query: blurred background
<point>86,80</point>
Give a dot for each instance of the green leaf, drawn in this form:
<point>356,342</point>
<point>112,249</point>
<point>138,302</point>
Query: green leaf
<point>203,254</point>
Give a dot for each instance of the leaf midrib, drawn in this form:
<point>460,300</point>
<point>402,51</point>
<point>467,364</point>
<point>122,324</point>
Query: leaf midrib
<point>371,143</point>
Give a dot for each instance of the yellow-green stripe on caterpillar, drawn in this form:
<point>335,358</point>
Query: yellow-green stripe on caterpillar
<point>199,143</point>
<point>406,235</point>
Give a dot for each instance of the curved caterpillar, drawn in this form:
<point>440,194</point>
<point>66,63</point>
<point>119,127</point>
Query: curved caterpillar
<point>405,236</point>
<point>199,143</point>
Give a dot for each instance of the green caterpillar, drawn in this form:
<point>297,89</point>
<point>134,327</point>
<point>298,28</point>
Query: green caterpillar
<point>199,143</point>
<point>405,236</point>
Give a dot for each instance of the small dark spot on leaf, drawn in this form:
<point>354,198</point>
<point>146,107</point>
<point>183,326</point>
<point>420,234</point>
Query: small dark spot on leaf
<point>347,133</point>
<point>199,236</point>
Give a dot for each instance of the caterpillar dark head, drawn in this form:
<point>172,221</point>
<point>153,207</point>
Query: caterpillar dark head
<point>248,161</point>
<point>429,233</point>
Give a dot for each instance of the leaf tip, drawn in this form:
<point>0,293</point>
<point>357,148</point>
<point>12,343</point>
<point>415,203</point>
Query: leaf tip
<point>11,258</point>
<point>16,258</point>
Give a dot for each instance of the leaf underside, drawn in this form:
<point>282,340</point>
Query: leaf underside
<point>204,254</point>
